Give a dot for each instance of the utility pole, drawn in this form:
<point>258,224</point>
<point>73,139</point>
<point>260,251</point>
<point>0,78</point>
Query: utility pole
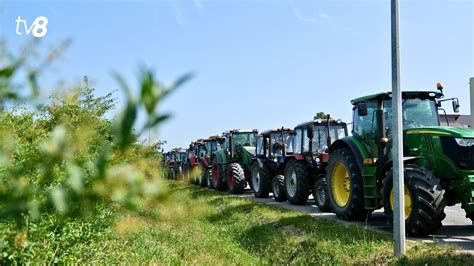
<point>397,141</point>
<point>471,91</point>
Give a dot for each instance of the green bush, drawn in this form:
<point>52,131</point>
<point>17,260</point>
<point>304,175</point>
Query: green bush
<point>65,167</point>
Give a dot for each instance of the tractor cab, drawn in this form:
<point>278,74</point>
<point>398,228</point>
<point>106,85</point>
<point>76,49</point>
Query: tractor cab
<point>239,141</point>
<point>373,115</point>
<point>272,144</point>
<point>312,139</point>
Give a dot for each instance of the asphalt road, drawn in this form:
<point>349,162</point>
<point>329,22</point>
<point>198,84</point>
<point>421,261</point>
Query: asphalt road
<point>456,230</point>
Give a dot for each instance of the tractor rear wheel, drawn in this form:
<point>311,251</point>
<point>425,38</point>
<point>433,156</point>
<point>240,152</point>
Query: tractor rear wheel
<point>261,180</point>
<point>346,186</point>
<point>218,181</point>
<point>320,193</point>
<point>235,178</point>
<point>424,200</point>
<point>209,178</point>
<point>278,188</point>
<point>297,182</point>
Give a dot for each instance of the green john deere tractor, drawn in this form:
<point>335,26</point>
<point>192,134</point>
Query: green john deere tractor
<point>438,162</point>
<point>232,161</point>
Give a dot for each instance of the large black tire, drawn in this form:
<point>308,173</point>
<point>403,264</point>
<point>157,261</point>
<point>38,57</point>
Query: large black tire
<point>235,178</point>
<point>320,193</point>
<point>218,180</point>
<point>261,180</point>
<point>209,178</point>
<point>424,203</point>
<point>297,182</point>
<point>278,188</point>
<point>352,207</point>
<point>203,177</point>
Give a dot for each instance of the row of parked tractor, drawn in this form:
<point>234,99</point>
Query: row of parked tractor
<point>348,174</point>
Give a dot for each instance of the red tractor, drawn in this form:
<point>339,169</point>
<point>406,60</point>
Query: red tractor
<point>305,170</point>
<point>201,157</point>
<point>268,165</point>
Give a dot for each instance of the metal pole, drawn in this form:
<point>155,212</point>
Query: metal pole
<point>397,148</point>
<point>471,83</point>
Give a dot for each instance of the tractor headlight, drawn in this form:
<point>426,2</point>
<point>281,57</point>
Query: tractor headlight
<point>465,142</point>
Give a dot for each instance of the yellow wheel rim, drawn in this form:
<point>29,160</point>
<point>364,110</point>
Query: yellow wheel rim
<point>408,202</point>
<point>340,184</point>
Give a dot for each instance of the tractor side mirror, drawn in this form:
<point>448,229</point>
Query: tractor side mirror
<point>310,133</point>
<point>456,105</point>
<point>362,109</point>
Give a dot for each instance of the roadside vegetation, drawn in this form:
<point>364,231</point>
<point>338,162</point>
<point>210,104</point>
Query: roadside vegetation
<point>79,187</point>
<point>198,226</point>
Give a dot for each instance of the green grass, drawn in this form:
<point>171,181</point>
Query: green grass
<point>206,227</point>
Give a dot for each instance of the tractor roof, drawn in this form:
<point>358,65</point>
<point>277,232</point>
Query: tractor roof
<point>213,138</point>
<point>321,122</point>
<point>178,150</point>
<point>241,131</point>
<point>405,95</point>
<point>276,130</point>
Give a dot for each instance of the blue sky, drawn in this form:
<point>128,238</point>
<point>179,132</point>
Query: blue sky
<point>258,64</point>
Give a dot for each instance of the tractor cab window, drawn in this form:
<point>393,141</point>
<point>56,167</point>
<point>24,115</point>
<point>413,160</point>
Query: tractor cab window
<point>201,151</point>
<point>183,156</point>
<point>213,146</point>
<point>305,140</point>
<point>297,142</point>
<point>276,142</point>
<point>260,150</point>
<point>338,132</point>
<point>208,149</point>
<point>244,139</point>
<point>364,125</point>
<point>320,139</point>
<point>416,113</point>
<point>289,142</point>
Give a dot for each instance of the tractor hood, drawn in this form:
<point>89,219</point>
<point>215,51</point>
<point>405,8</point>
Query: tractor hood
<point>457,132</point>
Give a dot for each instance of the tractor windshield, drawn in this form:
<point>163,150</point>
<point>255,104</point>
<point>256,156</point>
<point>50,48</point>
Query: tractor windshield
<point>201,150</point>
<point>416,113</point>
<point>320,139</point>
<point>245,139</point>
<point>183,156</point>
<point>277,140</point>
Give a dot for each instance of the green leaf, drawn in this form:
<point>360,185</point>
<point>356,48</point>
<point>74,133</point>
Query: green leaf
<point>157,120</point>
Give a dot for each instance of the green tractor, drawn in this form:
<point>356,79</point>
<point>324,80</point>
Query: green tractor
<point>232,161</point>
<point>438,162</point>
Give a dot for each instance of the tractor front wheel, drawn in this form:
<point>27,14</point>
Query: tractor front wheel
<point>297,182</point>
<point>320,193</point>
<point>278,188</point>
<point>261,180</point>
<point>235,178</point>
<point>346,186</point>
<point>218,181</point>
<point>424,200</point>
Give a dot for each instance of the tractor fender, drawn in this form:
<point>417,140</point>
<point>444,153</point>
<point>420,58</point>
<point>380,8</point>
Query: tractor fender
<point>347,142</point>
<point>408,159</point>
